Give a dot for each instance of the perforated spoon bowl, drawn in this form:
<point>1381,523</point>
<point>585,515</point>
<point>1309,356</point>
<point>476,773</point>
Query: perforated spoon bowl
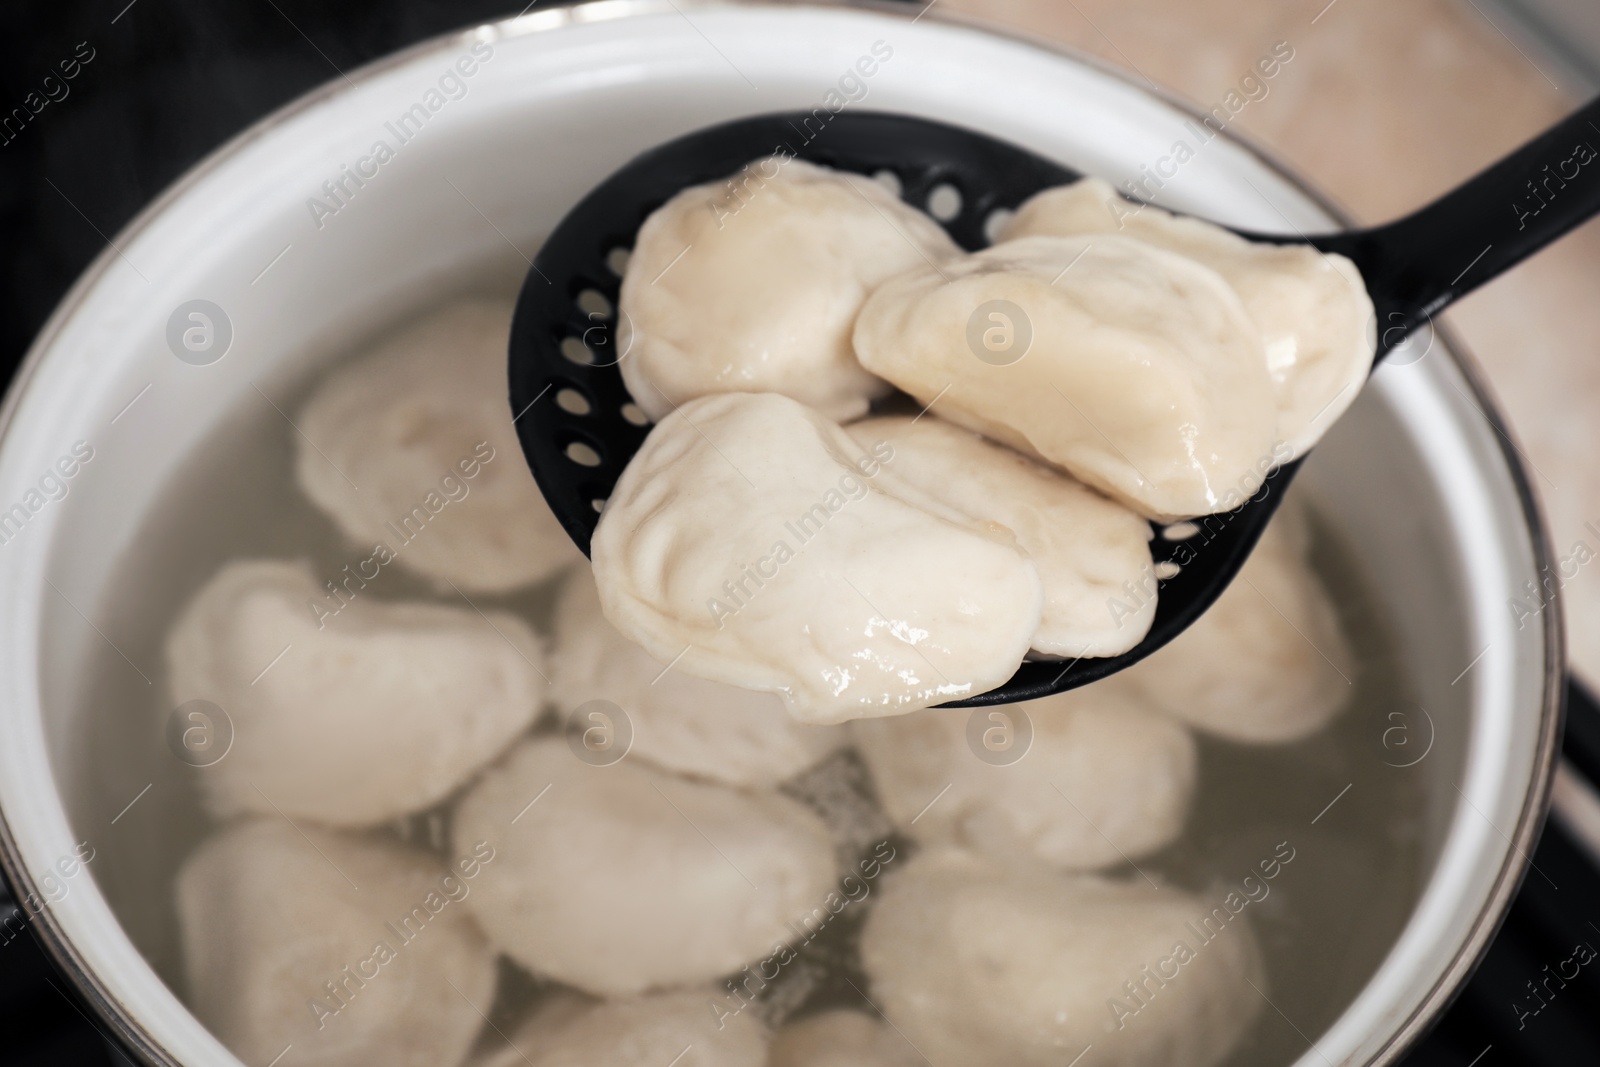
<point>564,336</point>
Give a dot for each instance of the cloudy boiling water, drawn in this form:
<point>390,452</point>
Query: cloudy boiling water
<point>1324,924</point>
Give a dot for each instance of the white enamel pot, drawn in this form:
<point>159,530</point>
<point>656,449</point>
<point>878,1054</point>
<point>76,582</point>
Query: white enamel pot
<point>1418,474</point>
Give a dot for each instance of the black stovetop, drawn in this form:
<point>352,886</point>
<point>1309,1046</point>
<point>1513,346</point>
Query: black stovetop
<point>167,81</point>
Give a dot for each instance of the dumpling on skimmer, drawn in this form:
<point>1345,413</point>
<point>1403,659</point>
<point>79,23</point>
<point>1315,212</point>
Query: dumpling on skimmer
<point>750,541</point>
<point>751,285</point>
<point>1093,554</point>
<point>1134,368</point>
<point>1312,307</point>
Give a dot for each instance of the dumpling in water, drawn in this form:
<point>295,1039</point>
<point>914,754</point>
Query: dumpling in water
<point>981,963</point>
<point>1081,780</point>
<point>751,285</point>
<point>1268,663</point>
<point>554,1009</point>
<point>1091,552</point>
<point>1312,308</point>
<point>659,1030</point>
<point>841,1039</point>
<point>750,540</point>
<point>623,878</point>
<point>412,448</point>
<point>1134,368</point>
<point>344,948</point>
<point>676,721</point>
<point>352,719</point>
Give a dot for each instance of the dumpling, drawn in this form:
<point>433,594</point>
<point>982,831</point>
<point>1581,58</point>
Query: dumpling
<point>1092,553</point>
<point>979,963</point>
<point>751,285</point>
<point>657,1030</point>
<point>553,1010</point>
<point>1268,663</point>
<point>1101,778</point>
<point>342,947</point>
<point>750,540</point>
<point>623,878</point>
<point>1312,308</point>
<point>677,721</point>
<point>350,719</point>
<point>1135,369</point>
<point>412,448</point>
<point>841,1039</point>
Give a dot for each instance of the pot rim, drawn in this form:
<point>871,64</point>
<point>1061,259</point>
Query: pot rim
<point>1531,817</point>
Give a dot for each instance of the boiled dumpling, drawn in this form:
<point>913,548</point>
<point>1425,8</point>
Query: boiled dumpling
<point>752,284</point>
<point>412,448</point>
<point>677,721</point>
<point>657,1030</point>
<point>344,948</point>
<point>1093,554</point>
<point>841,1039</point>
<point>623,878</point>
<point>1139,372</point>
<point>1096,778</point>
<point>353,719</point>
<point>1268,662</point>
<point>980,963</point>
<point>553,1010</point>
<point>1312,308</point>
<point>750,540</point>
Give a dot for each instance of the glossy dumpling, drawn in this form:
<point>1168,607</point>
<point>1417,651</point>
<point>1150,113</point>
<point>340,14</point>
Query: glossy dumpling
<point>412,448</point>
<point>750,540</point>
<point>1139,372</point>
<point>349,720</point>
<point>1092,553</point>
<point>675,720</point>
<point>623,878</point>
<point>980,963</point>
<point>751,285</point>
<point>344,948</point>
<point>1312,307</point>
<point>1082,780</point>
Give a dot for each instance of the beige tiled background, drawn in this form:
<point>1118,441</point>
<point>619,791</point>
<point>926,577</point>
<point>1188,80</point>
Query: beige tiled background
<point>1387,104</point>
